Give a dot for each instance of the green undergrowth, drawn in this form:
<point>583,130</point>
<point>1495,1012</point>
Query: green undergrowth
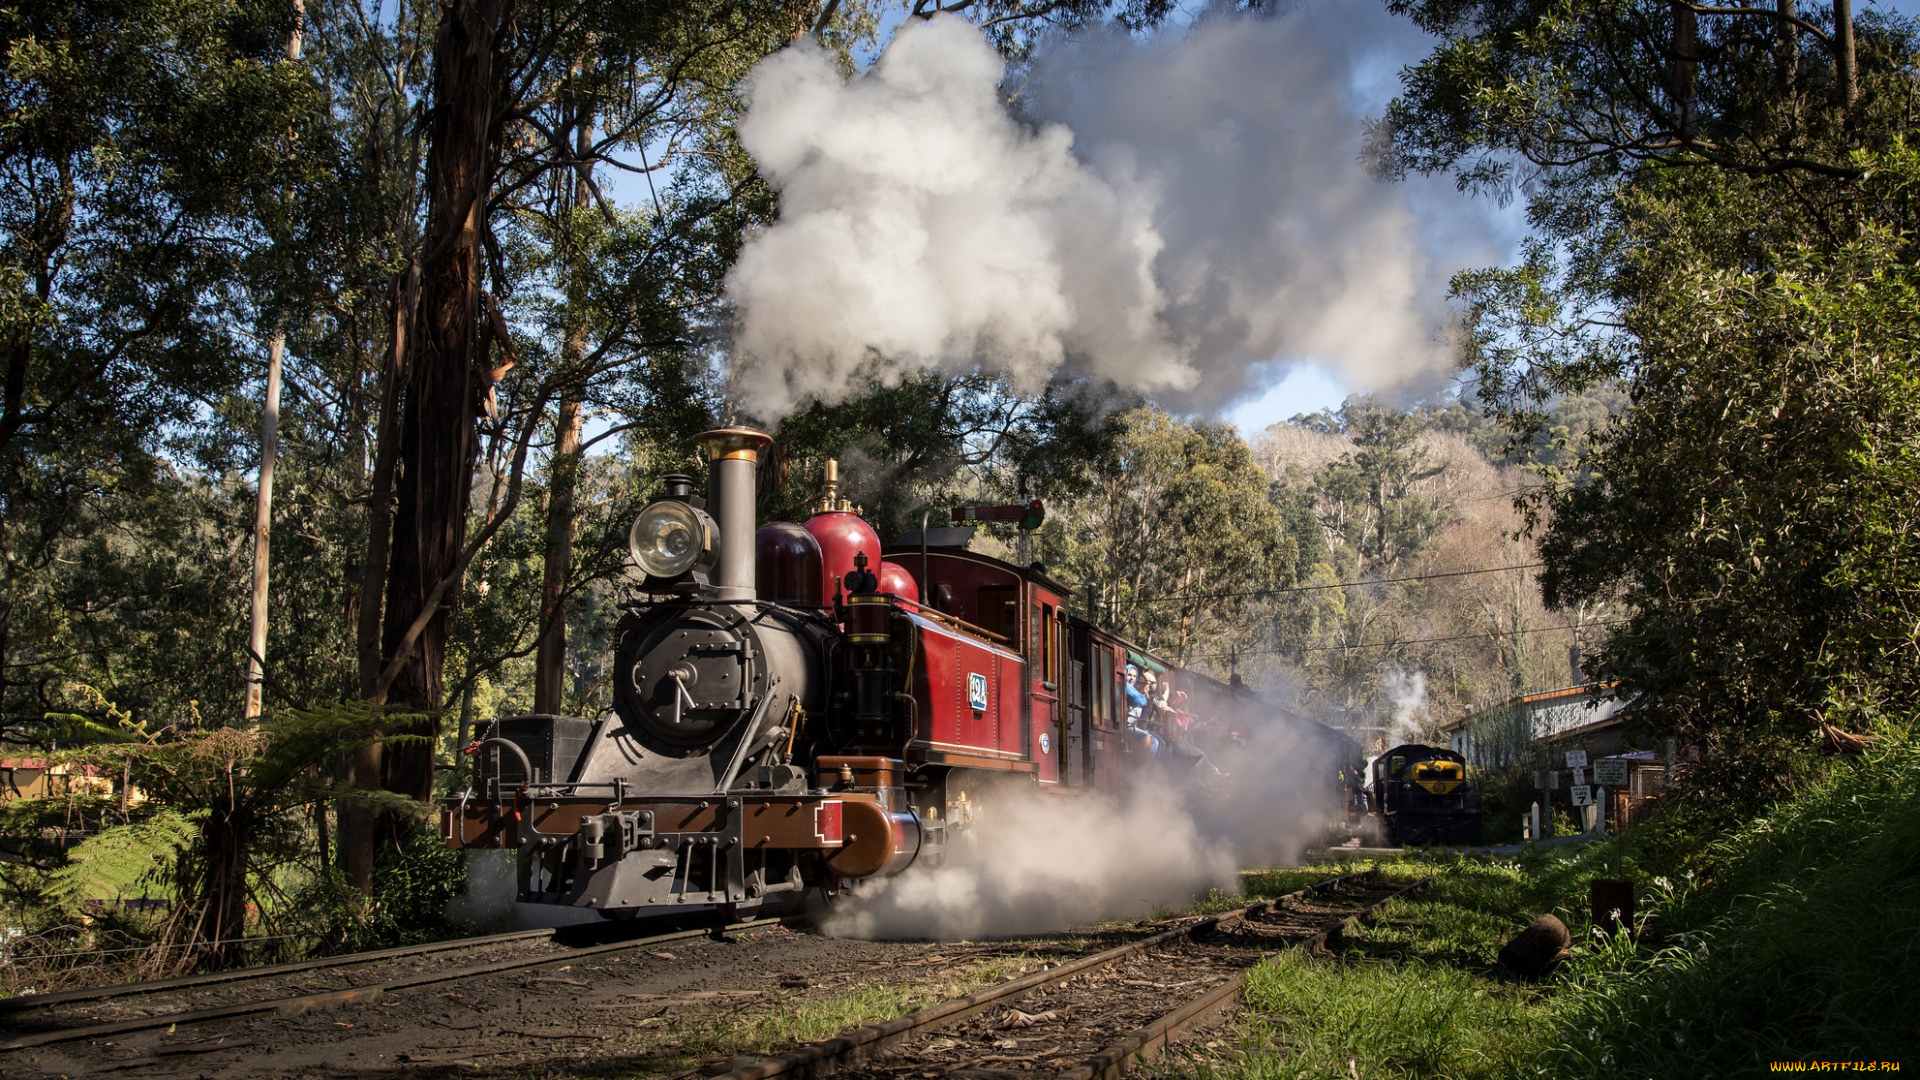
<point>1796,937</point>
<point>1792,938</point>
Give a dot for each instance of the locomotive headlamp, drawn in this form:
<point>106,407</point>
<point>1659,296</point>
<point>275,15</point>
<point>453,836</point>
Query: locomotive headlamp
<point>670,538</point>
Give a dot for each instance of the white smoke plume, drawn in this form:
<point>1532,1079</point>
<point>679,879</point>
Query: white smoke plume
<point>1182,217</point>
<point>1041,862</point>
<point>1406,691</point>
<point>1046,861</point>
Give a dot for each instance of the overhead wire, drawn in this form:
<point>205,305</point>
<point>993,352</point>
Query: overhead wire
<point>1286,589</point>
<point>1482,635</point>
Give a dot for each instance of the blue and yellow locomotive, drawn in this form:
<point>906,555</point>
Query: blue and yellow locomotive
<point>1423,796</point>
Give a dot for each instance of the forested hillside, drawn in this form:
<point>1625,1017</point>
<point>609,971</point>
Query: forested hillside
<point>1367,564</point>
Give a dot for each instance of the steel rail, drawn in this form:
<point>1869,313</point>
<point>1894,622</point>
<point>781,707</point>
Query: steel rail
<point>356,995</point>
<point>1149,1042</point>
<point>863,1041</point>
<point>26,1002</point>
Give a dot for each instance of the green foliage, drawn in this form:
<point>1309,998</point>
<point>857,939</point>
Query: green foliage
<point>413,881</point>
<point>1177,535</point>
<point>224,819</point>
<point>935,441</point>
<point>122,860</point>
<point>1370,491</point>
<point>1781,521</point>
<point>1723,232</point>
<point>1791,938</point>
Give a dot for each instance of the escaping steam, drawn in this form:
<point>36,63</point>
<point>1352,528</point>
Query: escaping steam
<point>1045,861</point>
<point>1406,690</point>
<point>487,902</point>
<point>1179,217</point>
<point>1040,862</point>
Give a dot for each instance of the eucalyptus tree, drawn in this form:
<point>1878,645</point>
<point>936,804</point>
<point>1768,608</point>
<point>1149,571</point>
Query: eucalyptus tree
<point>142,143</point>
<point>1177,540</point>
<point>1722,207</point>
<point>527,102</point>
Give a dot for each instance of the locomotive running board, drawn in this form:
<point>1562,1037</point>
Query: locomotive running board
<point>919,755</point>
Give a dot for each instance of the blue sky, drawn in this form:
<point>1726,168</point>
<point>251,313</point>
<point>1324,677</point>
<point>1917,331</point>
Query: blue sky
<point>1310,388</point>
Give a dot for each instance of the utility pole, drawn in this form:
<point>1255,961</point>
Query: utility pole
<point>269,449</point>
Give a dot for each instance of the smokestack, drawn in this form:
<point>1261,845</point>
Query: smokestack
<point>733,456</point>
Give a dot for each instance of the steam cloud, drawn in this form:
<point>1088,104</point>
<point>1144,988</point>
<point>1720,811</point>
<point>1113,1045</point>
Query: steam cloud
<point>1042,863</point>
<point>488,902</point>
<point>1407,690</point>
<point>1181,217</point>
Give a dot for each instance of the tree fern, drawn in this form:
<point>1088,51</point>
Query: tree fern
<point>121,859</point>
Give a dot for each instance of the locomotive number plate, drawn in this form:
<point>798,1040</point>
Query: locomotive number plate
<point>977,691</point>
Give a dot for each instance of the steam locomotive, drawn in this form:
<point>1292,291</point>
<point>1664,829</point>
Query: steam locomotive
<point>1423,796</point>
<point>795,707</point>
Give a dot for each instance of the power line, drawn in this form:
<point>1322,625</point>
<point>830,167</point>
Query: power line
<point>1400,641</point>
<point>1335,585</point>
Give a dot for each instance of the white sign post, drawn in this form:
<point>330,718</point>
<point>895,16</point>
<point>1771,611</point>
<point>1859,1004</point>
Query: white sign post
<point>1579,777</point>
<point>1610,773</point>
<point>1576,759</point>
<point>1582,795</point>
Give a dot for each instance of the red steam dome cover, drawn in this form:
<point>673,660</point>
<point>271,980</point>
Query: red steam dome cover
<point>841,536</point>
<point>895,579</point>
<point>786,564</point>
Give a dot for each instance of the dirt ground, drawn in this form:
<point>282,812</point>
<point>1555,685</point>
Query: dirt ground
<point>681,1008</point>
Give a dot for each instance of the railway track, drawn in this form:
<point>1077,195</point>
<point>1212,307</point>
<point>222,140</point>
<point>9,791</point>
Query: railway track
<point>554,1003</point>
<point>35,1020</point>
<point>1096,1016</point>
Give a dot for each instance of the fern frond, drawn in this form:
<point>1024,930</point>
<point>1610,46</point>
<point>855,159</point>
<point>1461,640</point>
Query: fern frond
<point>20,817</point>
<point>120,859</point>
<point>77,728</point>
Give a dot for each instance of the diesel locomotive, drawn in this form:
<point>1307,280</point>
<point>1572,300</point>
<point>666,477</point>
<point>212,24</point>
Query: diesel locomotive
<point>796,707</point>
<point>1422,796</point>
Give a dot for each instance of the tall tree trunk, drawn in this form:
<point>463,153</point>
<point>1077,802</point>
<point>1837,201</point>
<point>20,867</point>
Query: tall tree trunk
<point>549,688</point>
<point>263,526</point>
<point>563,473</point>
<point>438,443</point>
<point>386,447</point>
<point>1843,51</point>
<point>357,821</point>
<point>269,449</point>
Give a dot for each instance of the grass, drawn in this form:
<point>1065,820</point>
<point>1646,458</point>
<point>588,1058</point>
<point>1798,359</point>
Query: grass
<point>1407,1019</point>
<point>1793,938</point>
<point>669,1044</point>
